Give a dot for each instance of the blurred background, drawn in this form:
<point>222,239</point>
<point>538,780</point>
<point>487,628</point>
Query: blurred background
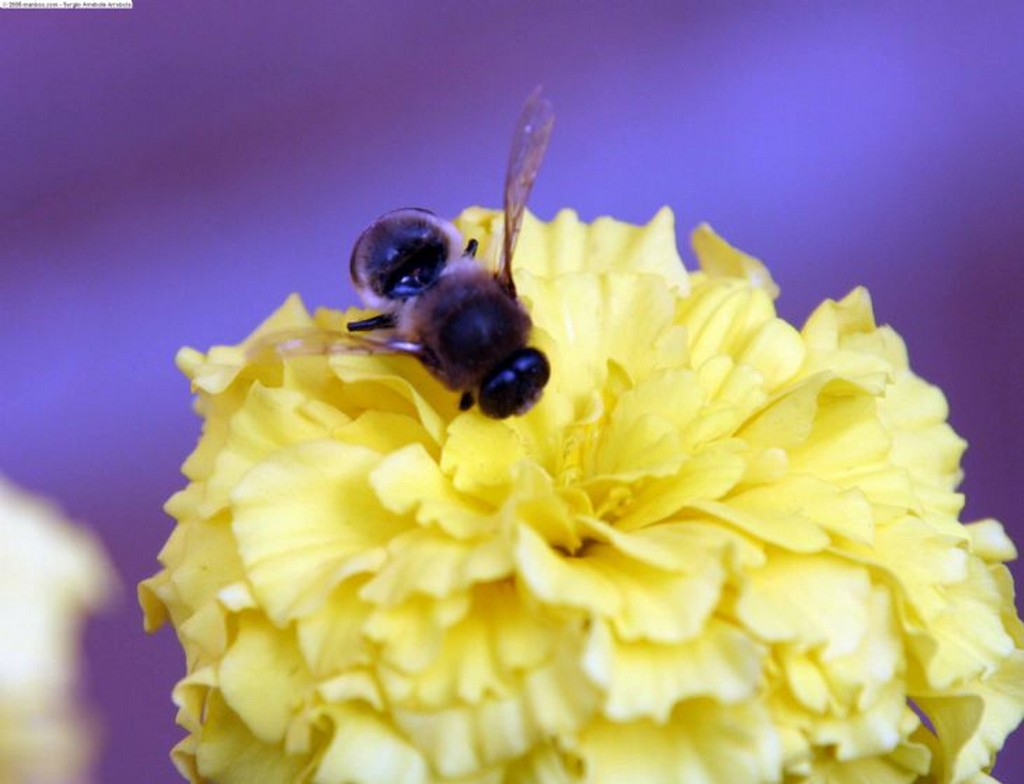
<point>170,173</point>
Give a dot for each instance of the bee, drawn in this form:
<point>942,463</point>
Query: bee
<point>439,304</point>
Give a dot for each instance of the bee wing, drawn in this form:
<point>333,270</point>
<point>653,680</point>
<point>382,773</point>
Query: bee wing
<point>530,140</point>
<point>314,341</point>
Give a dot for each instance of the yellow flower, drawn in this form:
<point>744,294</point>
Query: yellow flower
<point>51,575</point>
<point>720,549</point>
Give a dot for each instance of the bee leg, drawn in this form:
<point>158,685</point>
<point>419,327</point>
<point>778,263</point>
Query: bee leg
<point>466,401</point>
<point>470,250</point>
<point>382,321</point>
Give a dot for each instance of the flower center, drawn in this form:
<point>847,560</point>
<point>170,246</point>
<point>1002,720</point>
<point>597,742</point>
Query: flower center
<point>614,503</point>
<point>577,453</point>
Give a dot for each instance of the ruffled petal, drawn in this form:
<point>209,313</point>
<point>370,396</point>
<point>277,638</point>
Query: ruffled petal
<point>567,245</point>
<point>306,519</point>
<point>228,752</point>
<point>703,742</point>
<point>719,259</point>
<point>646,680</point>
<point>972,723</point>
<point>262,679</point>
<point>364,749</point>
<point>642,602</point>
<point>775,604</point>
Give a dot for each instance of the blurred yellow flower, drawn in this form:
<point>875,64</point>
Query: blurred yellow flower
<point>720,549</point>
<point>51,575</point>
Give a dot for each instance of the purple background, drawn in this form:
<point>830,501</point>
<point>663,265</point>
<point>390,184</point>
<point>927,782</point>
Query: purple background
<point>168,174</point>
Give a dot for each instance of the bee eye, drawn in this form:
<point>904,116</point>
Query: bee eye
<point>402,254</point>
<point>515,385</point>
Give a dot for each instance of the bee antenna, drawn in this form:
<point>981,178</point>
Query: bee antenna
<point>471,247</point>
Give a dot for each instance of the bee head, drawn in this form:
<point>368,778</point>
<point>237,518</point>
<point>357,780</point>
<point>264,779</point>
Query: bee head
<point>515,385</point>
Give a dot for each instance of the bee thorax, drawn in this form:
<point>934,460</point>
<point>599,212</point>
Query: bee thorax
<point>469,325</point>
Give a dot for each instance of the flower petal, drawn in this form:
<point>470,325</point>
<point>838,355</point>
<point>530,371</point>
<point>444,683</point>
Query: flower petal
<point>703,742</point>
<point>261,678</point>
<point>973,722</point>
<point>426,562</point>
<point>648,679</point>
<point>578,318</point>
<point>307,518</point>
<point>640,601</point>
<point>776,605</point>
<point>231,754</point>
<point>567,245</point>
<point>364,749</point>
<point>718,258</point>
